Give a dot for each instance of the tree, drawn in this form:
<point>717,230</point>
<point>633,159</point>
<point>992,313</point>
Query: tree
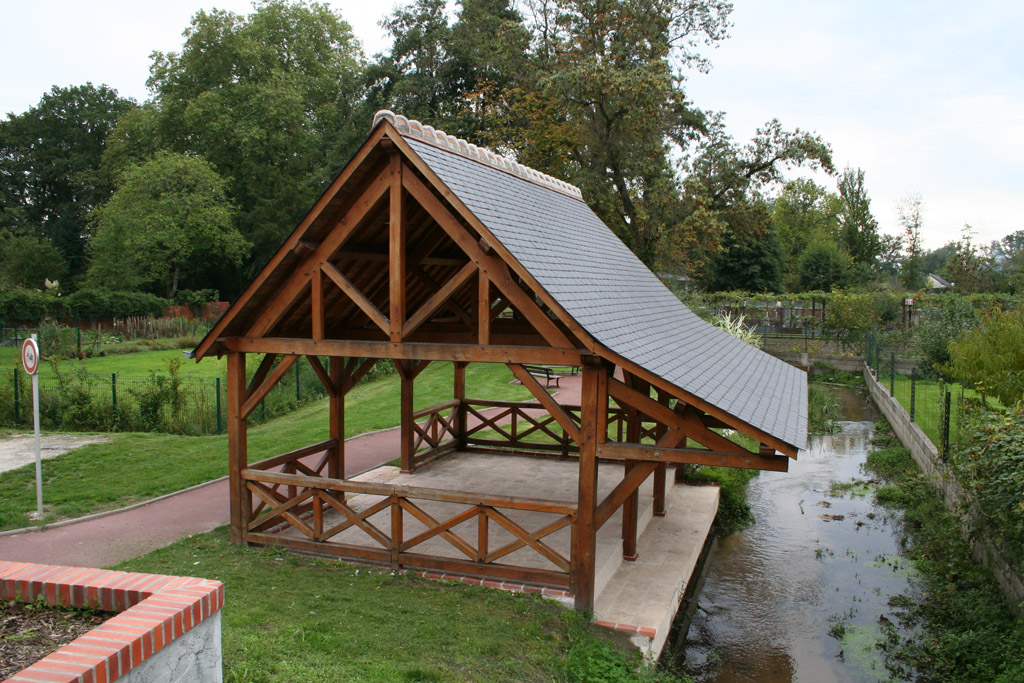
<point>804,212</point>
<point>750,258</point>
<point>910,212</point>
<point>823,265</point>
<point>890,254</point>
<point>272,100</point>
<point>858,228</point>
<point>164,212</point>
<point>29,261</point>
<point>990,357</point>
<point>49,166</point>
<point>967,268</point>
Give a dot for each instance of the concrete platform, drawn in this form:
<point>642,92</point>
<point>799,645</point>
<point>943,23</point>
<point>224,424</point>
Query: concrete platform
<point>640,597</point>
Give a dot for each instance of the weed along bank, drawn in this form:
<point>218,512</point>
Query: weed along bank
<point>425,249</point>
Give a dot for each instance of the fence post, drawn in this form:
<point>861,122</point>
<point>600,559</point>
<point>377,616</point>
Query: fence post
<point>945,427</point>
<point>913,391</point>
<point>296,382</point>
<point>892,372</point>
<point>79,327</point>
<point>17,412</point>
<point>218,406</point>
<point>113,392</point>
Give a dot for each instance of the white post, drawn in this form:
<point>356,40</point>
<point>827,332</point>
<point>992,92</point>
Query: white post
<point>39,459</point>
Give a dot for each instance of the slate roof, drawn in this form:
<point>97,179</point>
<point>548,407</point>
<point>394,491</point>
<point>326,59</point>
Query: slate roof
<point>616,299</point>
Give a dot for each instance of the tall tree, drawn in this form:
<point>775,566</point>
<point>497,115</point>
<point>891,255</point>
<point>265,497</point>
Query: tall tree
<point>968,268</point>
<point>167,216</point>
<point>49,166</point>
<point>858,227</point>
<point>803,213</point>
<point>271,100</point>
<point>910,211</point>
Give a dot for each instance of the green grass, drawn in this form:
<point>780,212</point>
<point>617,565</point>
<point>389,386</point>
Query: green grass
<point>136,364</point>
<point>135,467</point>
<point>928,404</point>
<point>296,618</point>
<point>953,625</point>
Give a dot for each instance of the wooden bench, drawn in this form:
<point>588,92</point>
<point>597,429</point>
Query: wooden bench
<point>548,373</point>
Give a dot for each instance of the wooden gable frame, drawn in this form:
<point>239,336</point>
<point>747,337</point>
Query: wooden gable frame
<point>389,263</point>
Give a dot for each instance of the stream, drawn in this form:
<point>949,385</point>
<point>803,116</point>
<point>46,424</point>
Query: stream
<point>797,596</point>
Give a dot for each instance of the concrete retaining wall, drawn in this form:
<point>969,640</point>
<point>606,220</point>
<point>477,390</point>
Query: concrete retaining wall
<point>926,456</point>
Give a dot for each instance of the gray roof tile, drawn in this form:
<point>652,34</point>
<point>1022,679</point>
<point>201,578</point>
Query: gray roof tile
<point>611,294</point>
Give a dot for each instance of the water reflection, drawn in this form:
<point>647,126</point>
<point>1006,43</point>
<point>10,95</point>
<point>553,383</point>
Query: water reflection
<point>815,563</point>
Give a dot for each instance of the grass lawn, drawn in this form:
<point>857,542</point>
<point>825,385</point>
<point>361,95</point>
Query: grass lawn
<point>928,404</point>
<point>295,618</point>
<point>138,364</point>
<point>135,467</point>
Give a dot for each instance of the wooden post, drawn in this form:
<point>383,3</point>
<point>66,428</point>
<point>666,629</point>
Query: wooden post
<point>659,473</point>
<point>631,507</point>
<point>594,419</point>
<point>483,309</point>
<point>241,503</point>
<point>396,249</point>
<point>336,466</point>
<point>406,430</point>
<point>459,394</point>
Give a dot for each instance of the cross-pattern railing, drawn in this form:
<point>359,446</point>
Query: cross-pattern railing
<point>527,426</point>
<point>438,428</point>
<point>501,536</point>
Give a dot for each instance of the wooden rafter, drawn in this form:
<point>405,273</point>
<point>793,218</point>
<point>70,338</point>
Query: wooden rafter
<point>633,479</point>
<point>301,277</point>
<point>396,248</point>
<point>322,375</point>
<point>495,269</point>
<point>357,297</point>
<point>440,297</point>
<point>693,456</point>
<point>434,287</point>
<point>261,373</point>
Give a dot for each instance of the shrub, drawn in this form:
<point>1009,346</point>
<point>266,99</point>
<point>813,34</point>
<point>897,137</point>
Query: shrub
<point>29,305</point>
<point>990,357</point>
<point>942,325</point>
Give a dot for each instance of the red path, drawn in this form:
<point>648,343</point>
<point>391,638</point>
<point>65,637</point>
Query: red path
<point>107,540</point>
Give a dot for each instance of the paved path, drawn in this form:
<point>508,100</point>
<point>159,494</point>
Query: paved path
<point>120,536</point>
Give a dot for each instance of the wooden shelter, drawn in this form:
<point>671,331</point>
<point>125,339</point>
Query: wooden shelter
<point>426,248</point>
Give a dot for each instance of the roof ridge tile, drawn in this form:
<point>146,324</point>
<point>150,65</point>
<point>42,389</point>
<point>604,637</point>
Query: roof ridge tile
<point>438,138</point>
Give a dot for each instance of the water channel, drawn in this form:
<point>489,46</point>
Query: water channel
<point>797,596</point>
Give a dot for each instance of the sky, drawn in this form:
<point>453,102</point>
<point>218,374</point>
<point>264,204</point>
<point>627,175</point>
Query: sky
<point>926,97</point>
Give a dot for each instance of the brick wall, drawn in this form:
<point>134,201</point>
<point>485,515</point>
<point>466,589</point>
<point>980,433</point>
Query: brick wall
<point>154,611</point>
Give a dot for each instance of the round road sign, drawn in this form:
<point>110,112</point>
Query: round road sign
<point>30,356</point>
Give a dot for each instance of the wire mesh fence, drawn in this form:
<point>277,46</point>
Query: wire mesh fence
<point>75,400</point>
<point>934,404</point>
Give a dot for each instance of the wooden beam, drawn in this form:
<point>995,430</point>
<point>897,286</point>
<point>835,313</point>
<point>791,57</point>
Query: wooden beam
<point>439,297</point>
<point>357,373</point>
<point>593,430</point>
<point>490,264</point>
<point>358,298</point>
<point>581,334</point>
<point>622,491</point>
<point>452,306</point>
<point>692,456</point>
<point>275,261</point>
<point>689,421</point>
<point>407,432</point>
<point>472,353</point>
<point>336,408</point>
<point>237,443</point>
<point>269,383</point>
<point>316,298</point>
<point>483,308</point>
<point>301,276</point>
<point>550,404</point>
<point>324,377</point>
<point>260,374</point>
<point>459,394</point>
<point>396,249</point>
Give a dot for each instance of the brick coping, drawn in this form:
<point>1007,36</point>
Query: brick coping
<point>154,610</point>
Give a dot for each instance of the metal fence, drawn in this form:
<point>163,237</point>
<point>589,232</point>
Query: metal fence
<point>935,405</point>
<point>160,402</point>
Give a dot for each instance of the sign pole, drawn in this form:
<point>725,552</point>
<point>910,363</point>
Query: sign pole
<point>30,361</point>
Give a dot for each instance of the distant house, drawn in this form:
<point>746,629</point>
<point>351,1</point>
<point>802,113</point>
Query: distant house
<point>938,282</point>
